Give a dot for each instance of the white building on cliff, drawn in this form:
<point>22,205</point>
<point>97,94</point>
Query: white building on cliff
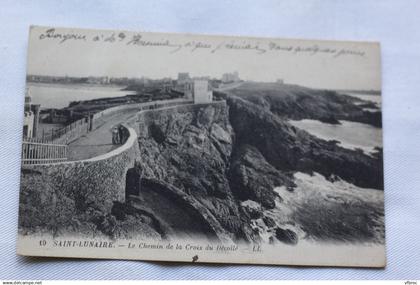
<point>198,91</point>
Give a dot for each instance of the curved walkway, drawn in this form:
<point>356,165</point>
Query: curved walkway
<point>99,140</point>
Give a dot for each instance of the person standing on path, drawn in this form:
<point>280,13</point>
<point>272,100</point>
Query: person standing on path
<point>115,135</point>
<point>121,133</point>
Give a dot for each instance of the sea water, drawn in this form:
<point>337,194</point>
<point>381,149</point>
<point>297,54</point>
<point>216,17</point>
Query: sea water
<point>60,95</point>
<point>351,135</point>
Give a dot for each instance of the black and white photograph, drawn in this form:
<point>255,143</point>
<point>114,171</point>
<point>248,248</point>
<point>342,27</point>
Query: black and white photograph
<point>199,148</point>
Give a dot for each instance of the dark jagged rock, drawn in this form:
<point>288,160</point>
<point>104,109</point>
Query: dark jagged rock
<point>252,212</point>
<point>252,177</point>
<point>286,236</point>
<point>157,133</point>
<point>269,222</point>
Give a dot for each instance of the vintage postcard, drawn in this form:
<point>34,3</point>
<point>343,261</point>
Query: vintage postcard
<point>194,148</point>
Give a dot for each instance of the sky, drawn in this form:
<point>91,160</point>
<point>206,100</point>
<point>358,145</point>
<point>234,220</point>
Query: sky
<point>317,64</point>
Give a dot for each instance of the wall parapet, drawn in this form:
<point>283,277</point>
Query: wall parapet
<point>98,181</point>
<point>85,125</point>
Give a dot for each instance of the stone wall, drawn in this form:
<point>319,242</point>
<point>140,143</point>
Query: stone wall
<point>58,193</point>
<point>81,127</point>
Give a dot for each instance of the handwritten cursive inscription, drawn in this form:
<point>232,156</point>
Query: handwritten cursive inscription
<point>141,40</point>
<point>52,34</point>
<point>138,40</point>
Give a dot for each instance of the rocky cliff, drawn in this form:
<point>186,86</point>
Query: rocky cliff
<point>190,148</point>
<point>225,155</point>
<point>287,148</point>
<point>211,170</point>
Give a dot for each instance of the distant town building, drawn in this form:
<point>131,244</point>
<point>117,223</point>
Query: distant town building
<point>98,80</point>
<point>230,77</point>
<point>280,81</point>
<point>183,77</point>
<point>201,78</point>
<point>31,120</point>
